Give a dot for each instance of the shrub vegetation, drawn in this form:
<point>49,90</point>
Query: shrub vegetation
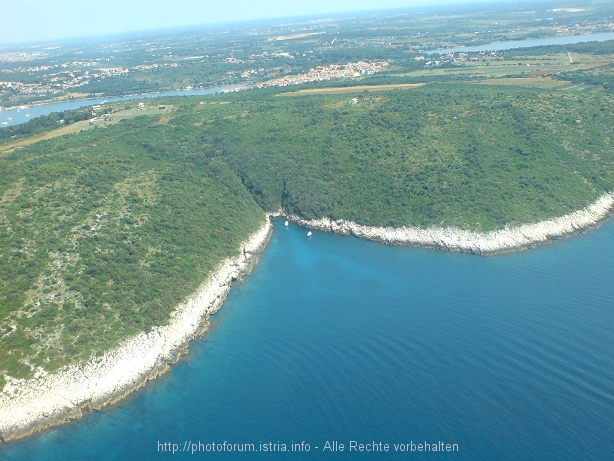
<point>103,232</point>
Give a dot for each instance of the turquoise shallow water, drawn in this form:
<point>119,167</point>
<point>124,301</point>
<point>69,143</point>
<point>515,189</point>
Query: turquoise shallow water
<point>336,339</point>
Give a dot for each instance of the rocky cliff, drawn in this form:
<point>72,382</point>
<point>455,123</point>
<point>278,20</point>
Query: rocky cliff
<point>49,399</point>
<point>484,243</point>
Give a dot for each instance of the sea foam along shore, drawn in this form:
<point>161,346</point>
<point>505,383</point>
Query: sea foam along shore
<point>485,243</point>
<point>49,399</point>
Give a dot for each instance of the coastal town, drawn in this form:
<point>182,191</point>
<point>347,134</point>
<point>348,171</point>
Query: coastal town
<point>277,56</point>
<point>57,82</point>
<point>324,73</point>
<point>319,74</point>
<point>66,76</point>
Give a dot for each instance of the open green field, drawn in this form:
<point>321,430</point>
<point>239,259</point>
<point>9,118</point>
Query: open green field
<point>539,65</point>
<point>84,125</point>
<point>104,230</point>
<point>527,82</point>
<point>353,89</point>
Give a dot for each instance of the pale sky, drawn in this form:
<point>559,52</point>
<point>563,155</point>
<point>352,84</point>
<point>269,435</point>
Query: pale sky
<point>38,20</point>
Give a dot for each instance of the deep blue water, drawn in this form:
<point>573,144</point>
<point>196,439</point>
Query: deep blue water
<point>339,339</point>
<point>562,40</point>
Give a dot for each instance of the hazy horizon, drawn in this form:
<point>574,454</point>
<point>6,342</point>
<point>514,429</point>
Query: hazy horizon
<point>35,21</point>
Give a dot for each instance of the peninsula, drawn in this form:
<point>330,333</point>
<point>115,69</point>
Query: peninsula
<point>108,230</point>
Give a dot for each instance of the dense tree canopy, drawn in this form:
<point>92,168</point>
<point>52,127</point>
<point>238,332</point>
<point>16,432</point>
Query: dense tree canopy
<point>103,232</point>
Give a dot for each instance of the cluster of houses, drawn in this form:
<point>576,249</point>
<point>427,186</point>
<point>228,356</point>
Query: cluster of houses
<point>29,69</point>
<point>20,56</point>
<point>275,55</point>
<point>438,60</point>
<point>324,73</point>
<point>29,88</point>
<point>250,72</point>
<point>99,113</point>
<point>73,65</point>
<point>154,66</point>
<point>107,116</point>
<point>57,82</point>
<point>65,79</point>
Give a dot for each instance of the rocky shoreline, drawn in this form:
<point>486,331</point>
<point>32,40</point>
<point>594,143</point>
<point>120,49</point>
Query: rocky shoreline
<point>506,240</point>
<point>29,406</point>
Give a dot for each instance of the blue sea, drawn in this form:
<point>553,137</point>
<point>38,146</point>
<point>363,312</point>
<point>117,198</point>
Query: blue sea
<point>339,340</point>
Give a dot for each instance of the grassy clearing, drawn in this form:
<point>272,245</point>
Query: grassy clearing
<point>81,126</point>
<point>532,65</point>
<point>353,89</point>
<point>528,82</point>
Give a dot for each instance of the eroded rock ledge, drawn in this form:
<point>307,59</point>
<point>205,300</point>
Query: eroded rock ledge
<point>483,243</point>
<point>49,399</point>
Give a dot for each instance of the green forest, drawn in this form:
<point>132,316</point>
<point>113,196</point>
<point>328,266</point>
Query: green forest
<point>104,232</point>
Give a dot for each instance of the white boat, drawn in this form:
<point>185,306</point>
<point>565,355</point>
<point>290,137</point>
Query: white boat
<point>5,123</point>
<point>309,234</point>
<point>286,223</point>
<point>10,118</point>
<point>27,115</point>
